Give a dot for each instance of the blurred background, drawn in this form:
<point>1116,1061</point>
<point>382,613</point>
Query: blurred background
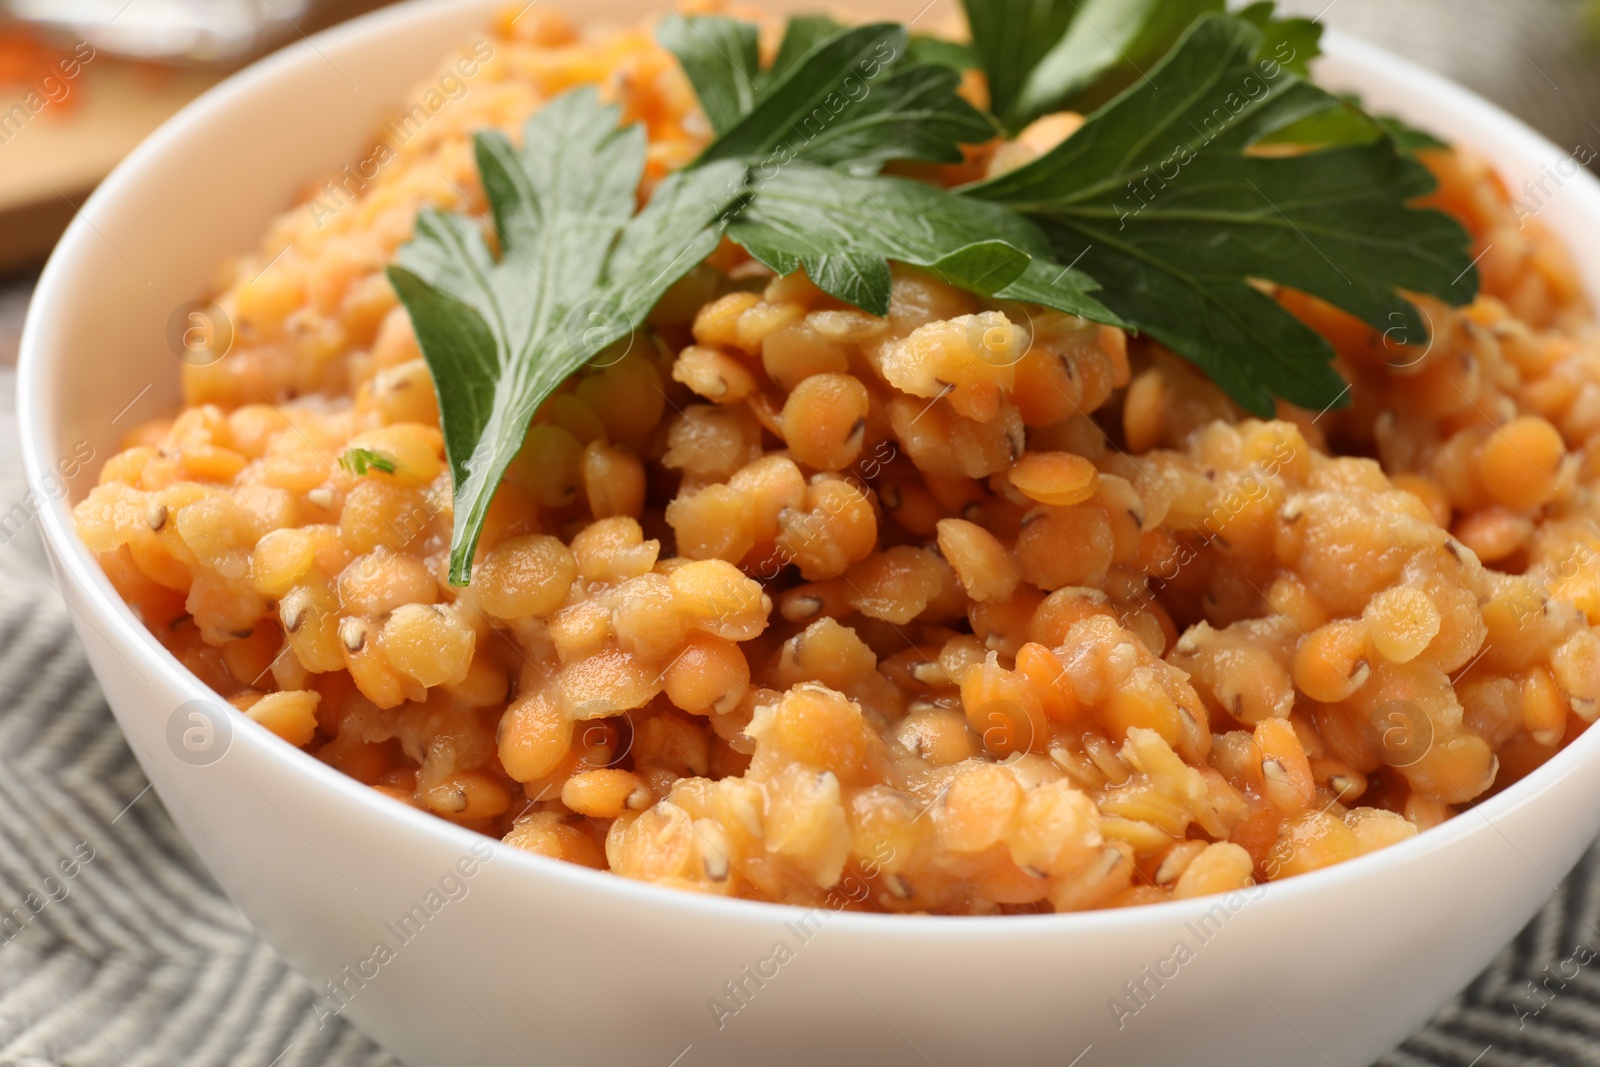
<point>83,81</point>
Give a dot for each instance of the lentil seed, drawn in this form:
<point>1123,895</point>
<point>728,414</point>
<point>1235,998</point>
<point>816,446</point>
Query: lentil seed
<point>353,632</point>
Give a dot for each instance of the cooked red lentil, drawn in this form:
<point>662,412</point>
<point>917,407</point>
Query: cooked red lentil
<point>991,608</point>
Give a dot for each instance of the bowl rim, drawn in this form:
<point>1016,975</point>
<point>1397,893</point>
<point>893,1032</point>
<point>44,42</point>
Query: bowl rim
<point>38,388</point>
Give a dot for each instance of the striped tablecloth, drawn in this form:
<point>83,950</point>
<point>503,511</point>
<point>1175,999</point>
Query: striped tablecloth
<point>130,955</point>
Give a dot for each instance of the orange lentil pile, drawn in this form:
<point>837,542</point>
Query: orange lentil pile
<point>984,607</point>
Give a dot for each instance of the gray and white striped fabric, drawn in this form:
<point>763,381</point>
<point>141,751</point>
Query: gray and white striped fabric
<point>135,958</point>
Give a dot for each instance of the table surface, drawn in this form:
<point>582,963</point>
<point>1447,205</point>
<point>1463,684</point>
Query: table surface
<point>139,960</point>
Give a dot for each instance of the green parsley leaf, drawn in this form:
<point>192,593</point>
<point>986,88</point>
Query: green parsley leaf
<point>938,52</point>
<point>1158,197</point>
<point>358,461</point>
<point>1010,38</point>
<point>1049,55</point>
<point>800,36</point>
<point>844,225</point>
<point>1348,123</point>
<point>578,271</point>
<point>836,98</point>
<point>1291,42</point>
<point>721,56</point>
<point>843,230</point>
<point>1294,43</point>
<point>1407,137</point>
<point>722,59</point>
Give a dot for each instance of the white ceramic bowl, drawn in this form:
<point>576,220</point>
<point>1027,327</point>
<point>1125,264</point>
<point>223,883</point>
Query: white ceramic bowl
<point>534,961</point>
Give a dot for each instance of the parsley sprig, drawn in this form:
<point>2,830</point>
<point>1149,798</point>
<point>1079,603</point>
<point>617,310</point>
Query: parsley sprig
<point>815,130</point>
<point>1048,55</point>
<point>1160,214</point>
<point>1162,199</point>
<point>851,99</point>
<point>844,231</point>
<point>577,271</point>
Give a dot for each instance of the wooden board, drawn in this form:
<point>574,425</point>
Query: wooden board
<point>61,153</point>
<point>51,164</point>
